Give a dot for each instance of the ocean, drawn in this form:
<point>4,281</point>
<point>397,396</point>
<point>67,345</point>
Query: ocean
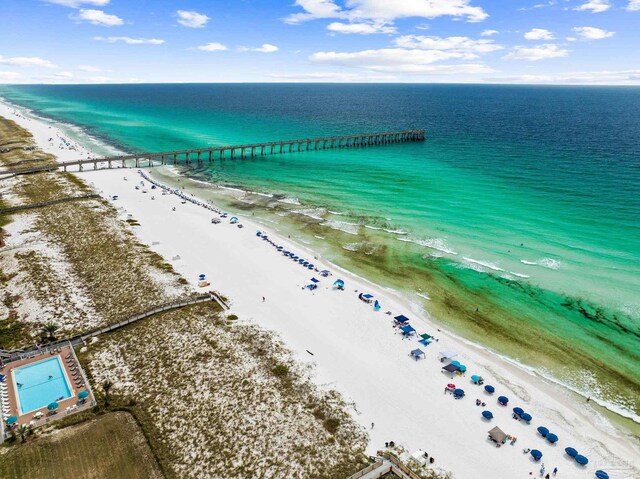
<point>516,223</point>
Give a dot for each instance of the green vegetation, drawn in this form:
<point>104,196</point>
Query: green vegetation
<point>110,446</point>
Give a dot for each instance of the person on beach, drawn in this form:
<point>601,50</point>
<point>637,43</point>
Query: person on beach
<point>263,299</point>
<point>555,471</point>
<point>372,424</point>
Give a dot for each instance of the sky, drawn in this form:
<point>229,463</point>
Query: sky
<point>421,41</point>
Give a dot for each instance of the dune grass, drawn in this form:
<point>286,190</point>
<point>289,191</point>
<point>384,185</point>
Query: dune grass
<point>109,446</point>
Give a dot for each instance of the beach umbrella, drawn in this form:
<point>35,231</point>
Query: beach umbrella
<point>601,474</point>
<point>571,452</point>
<point>463,368</point>
<point>490,389</point>
<point>583,461</point>
<point>543,431</point>
<point>552,438</point>
<point>11,420</point>
<point>311,266</point>
<point>537,455</point>
<point>504,400</point>
<point>475,378</point>
<point>53,406</point>
<point>451,386</point>
<point>487,414</point>
<point>518,410</point>
<point>83,394</point>
<point>456,363</point>
<point>458,392</point>
<point>526,417</point>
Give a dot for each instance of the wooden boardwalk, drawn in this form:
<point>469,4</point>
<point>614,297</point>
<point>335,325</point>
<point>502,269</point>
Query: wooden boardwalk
<point>199,156</point>
<point>14,209</point>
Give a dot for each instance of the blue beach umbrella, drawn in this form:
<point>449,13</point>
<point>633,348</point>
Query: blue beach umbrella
<point>518,410</point>
<point>490,389</point>
<point>83,394</point>
<point>463,368</point>
<point>537,455</point>
<point>571,452</point>
<point>53,406</point>
<point>526,417</point>
<point>456,363</point>
<point>458,392</point>
<point>487,414</point>
<point>583,461</point>
<point>552,438</point>
<point>543,431</point>
<point>11,420</point>
<point>601,474</point>
<point>504,400</point>
<point>475,378</point>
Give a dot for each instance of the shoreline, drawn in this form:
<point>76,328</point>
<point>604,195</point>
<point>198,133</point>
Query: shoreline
<point>248,305</point>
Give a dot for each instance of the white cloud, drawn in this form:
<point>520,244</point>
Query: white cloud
<point>538,34</point>
<point>489,33</point>
<point>78,3</point>
<point>386,10</point>
<point>633,6</point>
<point>212,47</point>
<point>9,77</point>
<point>361,28</point>
<point>27,62</point>
<point>536,53</point>
<point>98,17</point>
<point>596,6</point>
<point>400,60</point>
<point>623,77</point>
<point>265,48</point>
<point>130,41</point>
<point>89,68</point>
<point>192,19</point>
<point>592,33</point>
<point>469,47</point>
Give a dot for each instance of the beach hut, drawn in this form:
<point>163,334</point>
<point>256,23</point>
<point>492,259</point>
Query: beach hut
<point>497,435</point>
<point>537,455</point>
<point>601,474</point>
<point>417,354</point>
<point>518,411</point>
<point>552,438</point>
<point>407,330</point>
<point>543,431</point>
<point>338,284</point>
<point>526,417</point>
<point>571,452</point>
<point>11,420</point>
<point>503,400</point>
<point>458,393</point>
<point>490,389</point>
<point>487,414</point>
<point>580,459</point>
<point>450,368</point>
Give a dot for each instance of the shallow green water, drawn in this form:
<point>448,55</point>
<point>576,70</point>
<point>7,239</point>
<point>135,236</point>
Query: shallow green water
<point>518,217</point>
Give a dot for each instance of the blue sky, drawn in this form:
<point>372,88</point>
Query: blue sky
<point>492,41</point>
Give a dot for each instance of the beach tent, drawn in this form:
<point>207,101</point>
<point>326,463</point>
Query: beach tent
<point>445,355</point>
<point>367,298</point>
<point>407,330</point>
<point>280,248</point>
<point>518,410</point>
<point>425,336</point>
<point>11,420</point>
<point>258,233</point>
<point>497,434</point>
<point>571,452</point>
<point>543,431</point>
<point>315,280</point>
<point>526,417</point>
<point>401,319</point>
<point>83,394</point>
<point>583,461</point>
<point>458,392</point>
<point>490,389</point>
<point>311,266</point>
<point>487,414</point>
<point>601,474</point>
<point>537,455</point>
<point>53,406</point>
<point>338,284</point>
<point>504,400</point>
<point>452,368</point>
<point>417,354</point>
<point>424,342</point>
<point>552,438</point>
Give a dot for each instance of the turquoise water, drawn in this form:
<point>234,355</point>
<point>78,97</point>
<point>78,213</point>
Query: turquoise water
<point>41,384</point>
<point>518,217</point>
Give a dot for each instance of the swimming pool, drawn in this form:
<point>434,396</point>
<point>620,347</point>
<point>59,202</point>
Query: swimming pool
<point>39,384</point>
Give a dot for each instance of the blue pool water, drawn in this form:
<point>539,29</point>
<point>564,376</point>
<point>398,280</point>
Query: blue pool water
<point>42,383</point>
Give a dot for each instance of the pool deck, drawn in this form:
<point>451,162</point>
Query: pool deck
<point>65,404</point>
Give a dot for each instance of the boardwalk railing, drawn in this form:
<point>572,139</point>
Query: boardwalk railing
<point>13,209</point>
<point>200,155</point>
<point>17,354</point>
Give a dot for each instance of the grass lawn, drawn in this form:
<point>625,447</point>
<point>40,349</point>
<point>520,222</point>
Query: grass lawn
<point>111,446</point>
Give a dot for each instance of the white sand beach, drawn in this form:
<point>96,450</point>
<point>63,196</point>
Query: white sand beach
<point>356,350</point>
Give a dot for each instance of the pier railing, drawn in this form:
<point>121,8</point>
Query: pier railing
<point>199,156</point>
